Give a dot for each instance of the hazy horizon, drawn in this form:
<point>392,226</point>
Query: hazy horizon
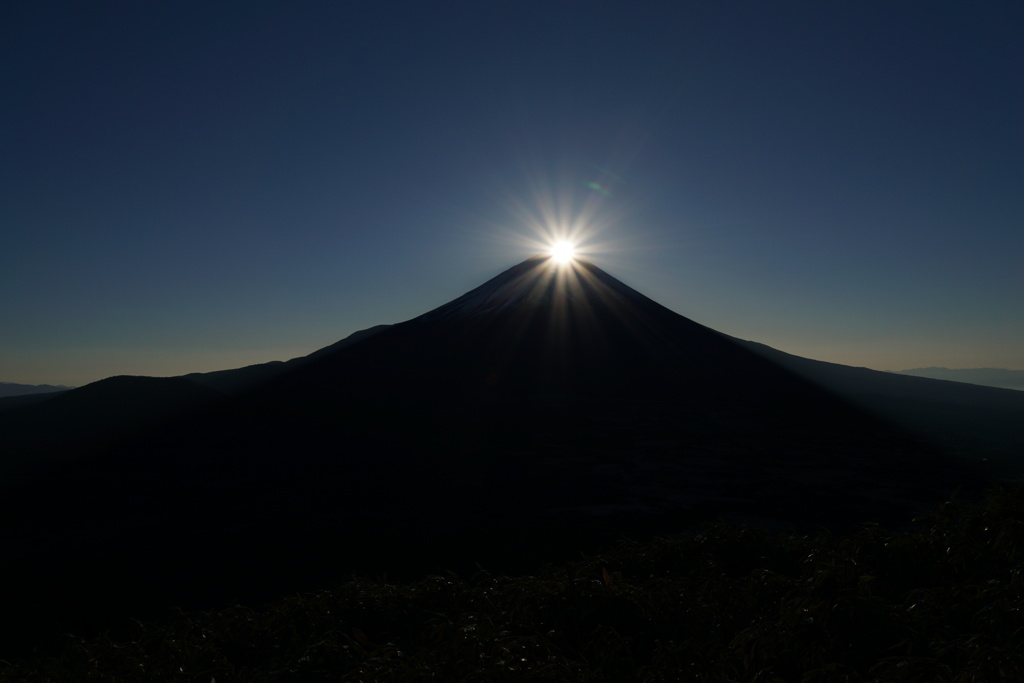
<point>195,186</point>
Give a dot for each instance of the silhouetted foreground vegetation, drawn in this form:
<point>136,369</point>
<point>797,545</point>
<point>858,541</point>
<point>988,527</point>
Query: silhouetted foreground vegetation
<point>940,603</point>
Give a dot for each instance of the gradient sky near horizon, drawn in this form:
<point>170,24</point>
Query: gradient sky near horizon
<point>193,186</point>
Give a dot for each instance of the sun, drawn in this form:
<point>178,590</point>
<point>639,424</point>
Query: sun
<point>562,251</point>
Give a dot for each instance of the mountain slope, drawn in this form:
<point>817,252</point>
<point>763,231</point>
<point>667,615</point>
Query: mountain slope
<point>991,377</point>
<point>970,419</point>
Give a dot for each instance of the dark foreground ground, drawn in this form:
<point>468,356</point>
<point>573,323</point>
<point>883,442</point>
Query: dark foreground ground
<point>244,503</point>
<point>940,602</point>
<point>104,541</point>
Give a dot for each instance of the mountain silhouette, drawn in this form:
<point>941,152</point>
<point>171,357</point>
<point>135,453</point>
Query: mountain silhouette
<point>549,410</point>
<point>991,377</point>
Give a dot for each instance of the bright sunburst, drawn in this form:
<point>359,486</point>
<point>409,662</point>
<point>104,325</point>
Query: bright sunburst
<point>562,251</point>
<point>566,219</point>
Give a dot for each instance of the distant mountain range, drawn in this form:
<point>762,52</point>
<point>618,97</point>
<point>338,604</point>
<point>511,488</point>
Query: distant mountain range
<point>11,389</point>
<point>549,410</point>
<point>990,377</point>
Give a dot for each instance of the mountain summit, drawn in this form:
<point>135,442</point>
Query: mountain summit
<point>539,281</point>
<point>571,329</point>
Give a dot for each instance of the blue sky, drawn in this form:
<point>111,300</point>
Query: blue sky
<point>191,186</point>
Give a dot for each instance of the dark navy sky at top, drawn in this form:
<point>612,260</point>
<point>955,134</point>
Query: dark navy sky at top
<point>201,185</point>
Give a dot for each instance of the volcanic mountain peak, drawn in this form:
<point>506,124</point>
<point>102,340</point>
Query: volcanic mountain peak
<point>539,280</point>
